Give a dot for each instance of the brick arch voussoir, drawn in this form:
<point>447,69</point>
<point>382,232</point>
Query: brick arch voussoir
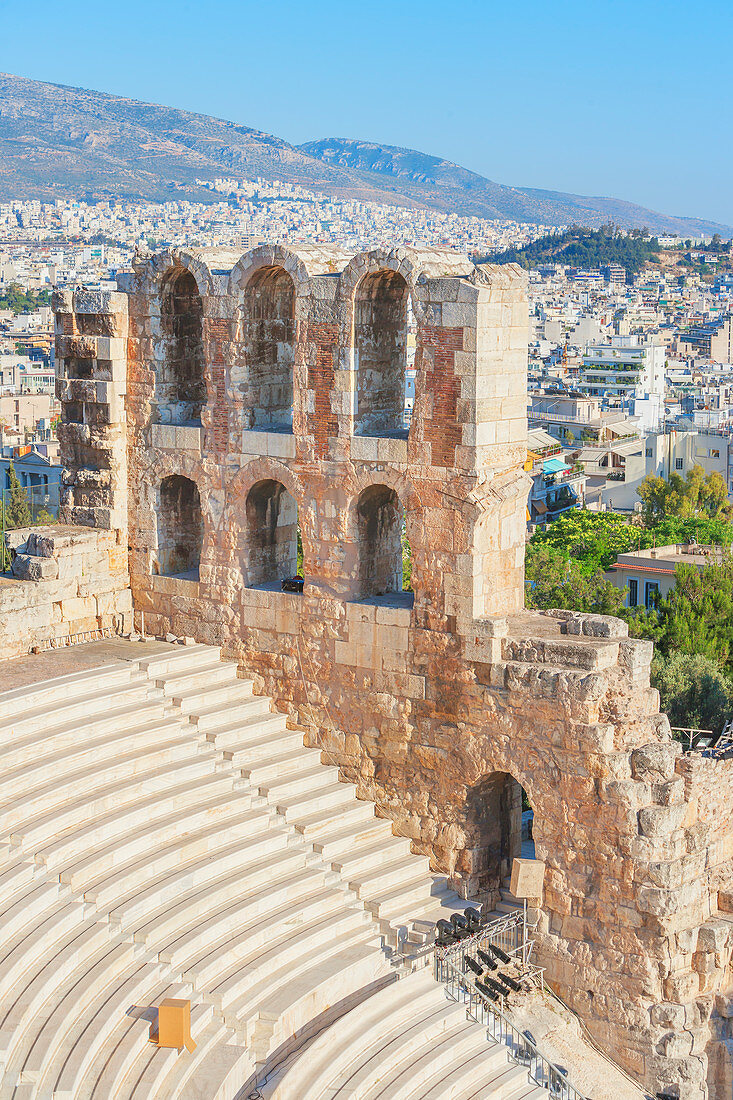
<point>378,259</point>
<point>269,256</point>
<point>174,259</point>
<point>410,266</point>
<point>264,469</point>
<point>355,484</point>
<point>170,464</point>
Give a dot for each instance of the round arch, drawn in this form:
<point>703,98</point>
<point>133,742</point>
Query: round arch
<point>263,521</point>
<point>266,336</point>
<point>265,256</point>
<point>180,528</point>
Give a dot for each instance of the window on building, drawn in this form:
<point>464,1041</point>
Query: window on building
<point>648,452</point>
<point>633,592</point>
<point>678,464</point>
<point>714,454</point>
<point>650,590</point>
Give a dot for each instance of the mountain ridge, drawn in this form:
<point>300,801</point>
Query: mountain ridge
<point>58,141</point>
<point>475,191</point>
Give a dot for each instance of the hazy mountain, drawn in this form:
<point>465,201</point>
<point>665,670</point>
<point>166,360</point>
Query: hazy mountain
<point>62,142</point>
<point>447,186</point>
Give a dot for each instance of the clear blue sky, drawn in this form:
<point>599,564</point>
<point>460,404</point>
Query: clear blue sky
<point>630,98</point>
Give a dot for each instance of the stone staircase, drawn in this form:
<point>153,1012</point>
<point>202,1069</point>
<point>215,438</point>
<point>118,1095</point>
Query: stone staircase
<point>508,903</point>
<point>405,1043</point>
<point>163,833</point>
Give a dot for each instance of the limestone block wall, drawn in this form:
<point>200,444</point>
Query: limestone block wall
<point>91,381</point>
<point>428,698</point>
<point>68,584</point>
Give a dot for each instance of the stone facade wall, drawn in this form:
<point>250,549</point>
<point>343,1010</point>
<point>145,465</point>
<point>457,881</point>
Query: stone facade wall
<point>430,699</point>
<point>68,584</point>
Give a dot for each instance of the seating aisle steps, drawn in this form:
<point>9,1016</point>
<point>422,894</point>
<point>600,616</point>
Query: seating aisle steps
<point>407,1042</point>
<point>163,833</point>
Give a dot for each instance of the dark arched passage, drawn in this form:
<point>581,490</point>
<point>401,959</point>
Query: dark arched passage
<point>380,346</point>
<point>499,816</point>
<point>180,527</point>
<point>380,522</point>
<point>271,534</point>
<point>269,334</point>
<point>180,387</point>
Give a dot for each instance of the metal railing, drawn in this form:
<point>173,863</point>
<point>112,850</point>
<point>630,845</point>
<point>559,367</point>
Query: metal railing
<point>508,932</point>
<point>687,733</point>
<point>520,1045</point>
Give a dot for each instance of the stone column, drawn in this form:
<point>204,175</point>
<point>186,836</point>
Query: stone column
<point>91,355</point>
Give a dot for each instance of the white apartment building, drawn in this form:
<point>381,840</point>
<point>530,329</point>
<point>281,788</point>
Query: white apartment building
<point>676,452</point>
<point>626,374</point>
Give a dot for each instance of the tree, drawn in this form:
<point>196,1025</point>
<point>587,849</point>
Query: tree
<point>698,613</point>
<point>406,562</point>
<point>554,581</point>
<point>694,691</point>
<point>697,494</point>
<point>17,510</point>
<point>592,539</point>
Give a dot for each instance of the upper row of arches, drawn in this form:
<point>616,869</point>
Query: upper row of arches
<point>383,351</point>
<point>268,284</point>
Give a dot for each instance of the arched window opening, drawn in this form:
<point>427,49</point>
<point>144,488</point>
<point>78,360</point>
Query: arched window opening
<point>180,389</point>
<point>382,540</point>
<point>180,528</point>
<point>406,561</point>
<point>410,365</point>
<point>269,333</point>
<point>272,536</point>
<point>380,346</point>
<point>500,810</point>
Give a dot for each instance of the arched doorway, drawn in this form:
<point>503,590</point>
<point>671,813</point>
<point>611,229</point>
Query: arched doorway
<point>499,813</point>
<point>382,543</point>
<point>380,347</point>
<point>271,534</point>
<point>269,334</point>
<point>180,528</point>
<point>180,387</point>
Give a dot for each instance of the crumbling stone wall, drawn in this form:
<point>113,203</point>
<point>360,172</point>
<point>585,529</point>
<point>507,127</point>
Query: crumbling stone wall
<point>67,584</point>
<point>428,700</point>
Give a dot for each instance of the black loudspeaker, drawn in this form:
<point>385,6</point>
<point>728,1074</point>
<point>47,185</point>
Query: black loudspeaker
<point>485,991</point>
<point>494,985</point>
<point>511,983</point>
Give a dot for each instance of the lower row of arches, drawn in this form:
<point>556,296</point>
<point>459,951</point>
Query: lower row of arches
<point>273,537</point>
